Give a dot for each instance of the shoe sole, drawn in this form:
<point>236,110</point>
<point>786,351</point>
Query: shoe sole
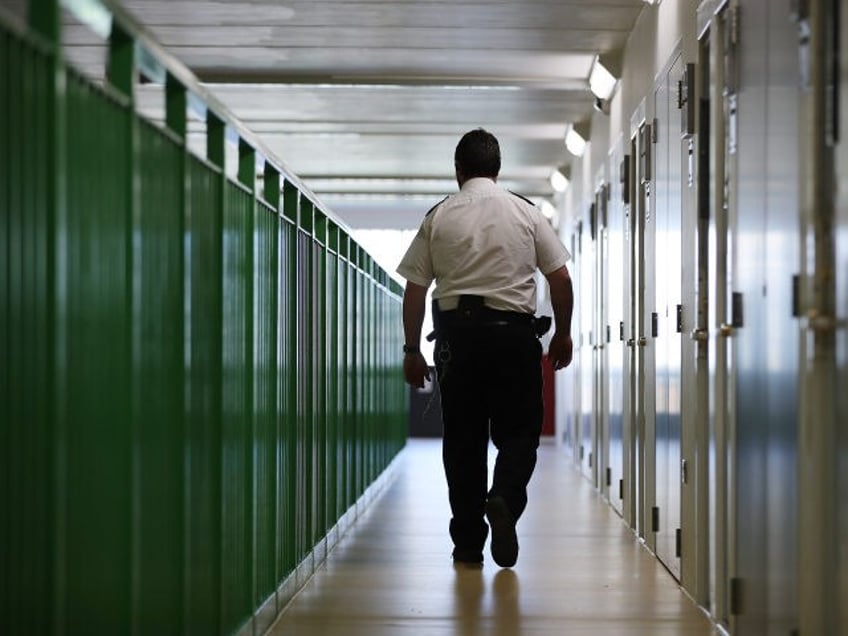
<point>504,539</point>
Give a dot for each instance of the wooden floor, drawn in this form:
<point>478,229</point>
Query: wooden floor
<point>579,570</point>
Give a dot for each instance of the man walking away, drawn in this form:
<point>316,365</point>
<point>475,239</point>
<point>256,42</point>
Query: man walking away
<point>482,247</point>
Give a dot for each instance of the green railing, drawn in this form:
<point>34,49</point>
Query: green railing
<point>198,377</point>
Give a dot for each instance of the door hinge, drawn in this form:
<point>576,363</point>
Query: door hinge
<point>737,315</point>
<point>655,130</point>
<point>624,179</point>
<point>733,15</point>
<point>832,93</point>
<point>645,135</point>
<point>680,319</point>
<point>735,593</point>
<point>686,102</point>
<point>581,453</point>
<point>608,334</point>
<point>621,489</point>
<point>609,476</point>
<point>621,331</point>
<point>590,459</point>
<point>655,324</point>
<point>799,9</point>
<point>796,296</point>
<point>678,543</point>
<point>655,519</point>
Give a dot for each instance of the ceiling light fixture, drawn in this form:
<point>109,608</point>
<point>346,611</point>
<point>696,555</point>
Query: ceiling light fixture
<point>601,80</point>
<point>548,210</point>
<point>576,138</point>
<point>559,180</point>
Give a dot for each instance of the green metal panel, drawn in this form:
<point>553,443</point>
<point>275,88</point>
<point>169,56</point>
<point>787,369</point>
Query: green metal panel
<point>95,364</point>
<point>157,386</point>
<point>203,435</point>
<point>345,344</point>
<point>333,458</point>
<point>289,508</point>
<point>25,382</point>
<point>318,349</point>
<point>7,49</point>
<point>236,423</point>
<point>357,377</point>
<point>265,401</point>
<point>191,393</point>
<point>305,408</point>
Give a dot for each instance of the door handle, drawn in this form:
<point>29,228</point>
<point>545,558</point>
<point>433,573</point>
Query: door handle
<point>700,335</point>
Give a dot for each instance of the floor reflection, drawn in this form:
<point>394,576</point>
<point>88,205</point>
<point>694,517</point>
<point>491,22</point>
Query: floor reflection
<point>469,588</point>
<point>485,604</point>
<point>580,571</point>
<point>507,610</point>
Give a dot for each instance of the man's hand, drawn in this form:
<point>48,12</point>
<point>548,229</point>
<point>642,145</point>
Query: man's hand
<point>415,369</point>
<point>560,350</point>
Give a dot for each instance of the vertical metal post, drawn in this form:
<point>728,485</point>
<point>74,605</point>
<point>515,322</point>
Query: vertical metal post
<point>271,188</point>
<point>40,215</point>
<point>819,500</point>
<point>289,532</point>
<point>175,106</point>
<point>45,19</point>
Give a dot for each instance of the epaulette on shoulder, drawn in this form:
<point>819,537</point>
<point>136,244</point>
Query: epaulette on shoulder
<point>521,197</point>
<point>435,206</point>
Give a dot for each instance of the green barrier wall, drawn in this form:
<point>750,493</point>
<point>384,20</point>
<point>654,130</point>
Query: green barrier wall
<point>197,381</point>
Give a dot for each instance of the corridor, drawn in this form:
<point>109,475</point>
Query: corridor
<point>580,569</point>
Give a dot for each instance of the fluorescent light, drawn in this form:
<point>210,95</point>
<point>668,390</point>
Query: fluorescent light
<point>91,13</point>
<point>575,142</point>
<point>559,182</point>
<point>548,211</point>
<point>601,81</point>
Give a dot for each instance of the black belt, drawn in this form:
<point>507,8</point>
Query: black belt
<point>488,317</point>
<point>473,314</point>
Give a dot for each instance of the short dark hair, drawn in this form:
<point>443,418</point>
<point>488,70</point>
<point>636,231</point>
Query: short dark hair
<point>478,154</point>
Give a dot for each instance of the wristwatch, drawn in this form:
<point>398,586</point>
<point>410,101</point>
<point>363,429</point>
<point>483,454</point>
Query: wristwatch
<point>410,349</point>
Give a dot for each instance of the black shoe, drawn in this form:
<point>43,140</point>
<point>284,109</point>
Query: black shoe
<point>468,557</point>
<point>504,539</point>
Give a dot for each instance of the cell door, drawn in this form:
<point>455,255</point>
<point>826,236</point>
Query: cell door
<point>841,303</point>
<point>567,380</point>
<point>641,342</point>
<point>601,340</point>
<point>666,315</point>
<point>717,195</point>
<point>586,320</point>
<point>822,583</point>
<point>646,338</point>
<point>615,326</point>
<point>630,401</point>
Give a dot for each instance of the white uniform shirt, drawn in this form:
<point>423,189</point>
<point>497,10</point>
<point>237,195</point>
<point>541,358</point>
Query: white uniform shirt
<point>484,241</point>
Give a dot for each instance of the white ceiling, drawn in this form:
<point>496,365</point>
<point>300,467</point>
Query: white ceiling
<point>366,99</point>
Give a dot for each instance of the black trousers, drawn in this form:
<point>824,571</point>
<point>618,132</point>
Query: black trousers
<point>490,380</point>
